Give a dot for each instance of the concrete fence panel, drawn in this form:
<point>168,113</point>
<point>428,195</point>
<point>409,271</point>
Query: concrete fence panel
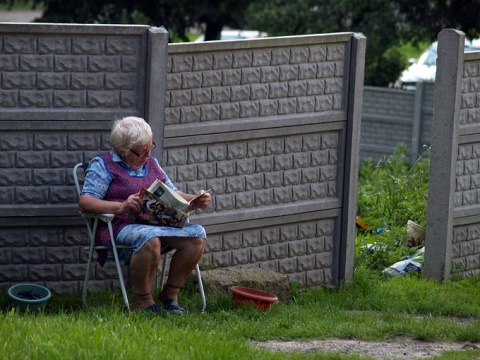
<point>268,126</point>
<point>271,125</point>
<point>453,226</point>
<point>61,87</point>
<point>395,116</point>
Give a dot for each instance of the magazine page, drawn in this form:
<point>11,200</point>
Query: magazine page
<point>155,211</point>
<point>169,196</point>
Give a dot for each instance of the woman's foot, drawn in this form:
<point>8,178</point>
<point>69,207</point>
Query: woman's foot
<point>155,309</point>
<point>172,307</point>
<point>142,301</point>
<point>168,297</point>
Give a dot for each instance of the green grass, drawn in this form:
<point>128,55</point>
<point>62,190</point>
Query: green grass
<point>371,307</point>
<point>368,308</point>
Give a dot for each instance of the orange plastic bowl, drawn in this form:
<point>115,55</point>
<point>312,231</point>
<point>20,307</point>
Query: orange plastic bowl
<point>261,299</point>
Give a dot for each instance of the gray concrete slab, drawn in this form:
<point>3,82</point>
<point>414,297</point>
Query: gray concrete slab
<point>19,16</point>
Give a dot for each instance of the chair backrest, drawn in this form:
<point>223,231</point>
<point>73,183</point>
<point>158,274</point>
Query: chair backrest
<point>78,175</point>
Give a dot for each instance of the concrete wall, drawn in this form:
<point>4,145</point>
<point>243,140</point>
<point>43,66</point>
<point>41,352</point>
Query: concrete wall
<point>271,125</point>
<point>394,116</point>
<point>61,87</point>
<point>266,125</point>
<point>453,227</point>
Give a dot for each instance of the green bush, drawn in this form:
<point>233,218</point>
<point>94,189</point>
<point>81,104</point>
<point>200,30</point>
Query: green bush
<point>390,193</point>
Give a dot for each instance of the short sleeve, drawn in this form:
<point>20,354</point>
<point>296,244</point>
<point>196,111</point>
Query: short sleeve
<point>97,179</point>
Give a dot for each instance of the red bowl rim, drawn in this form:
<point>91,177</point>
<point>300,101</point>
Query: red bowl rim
<point>253,293</point>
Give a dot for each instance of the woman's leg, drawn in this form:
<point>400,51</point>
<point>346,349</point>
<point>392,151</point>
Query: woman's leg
<point>188,253</point>
<point>143,266</point>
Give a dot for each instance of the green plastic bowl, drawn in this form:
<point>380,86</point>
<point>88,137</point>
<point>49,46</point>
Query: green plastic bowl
<point>29,296</point>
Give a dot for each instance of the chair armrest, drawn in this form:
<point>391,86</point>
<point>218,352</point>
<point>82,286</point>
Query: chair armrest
<point>103,217</point>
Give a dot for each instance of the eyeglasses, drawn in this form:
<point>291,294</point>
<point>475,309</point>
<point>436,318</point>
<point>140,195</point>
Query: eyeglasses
<point>145,152</point>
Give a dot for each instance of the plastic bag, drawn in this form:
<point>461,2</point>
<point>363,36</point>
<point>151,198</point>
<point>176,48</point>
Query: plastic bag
<point>412,263</point>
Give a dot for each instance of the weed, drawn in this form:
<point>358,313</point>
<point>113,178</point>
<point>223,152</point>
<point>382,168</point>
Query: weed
<point>390,193</point>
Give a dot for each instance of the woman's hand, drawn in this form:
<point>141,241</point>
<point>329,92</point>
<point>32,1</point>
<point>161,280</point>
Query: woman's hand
<point>133,203</point>
<point>201,202</point>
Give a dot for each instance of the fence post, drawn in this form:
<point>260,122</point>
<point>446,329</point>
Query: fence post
<point>355,96</point>
<point>156,84</point>
<point>446,110</point>
<point>416,125</point>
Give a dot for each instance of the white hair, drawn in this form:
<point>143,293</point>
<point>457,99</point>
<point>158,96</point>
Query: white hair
<point>129,132</point>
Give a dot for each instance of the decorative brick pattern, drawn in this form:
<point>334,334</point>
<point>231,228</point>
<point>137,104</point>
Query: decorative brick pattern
<point>388,119</point>
<point>60,84</point>
<point>40,171</point>
<point>250,172</point>
<point>470,105</point>
<point>284,170</point>
<point>61,72</point>
<point>466,250</point>
<point>467,188</point>
<point>305,256</point>
<point>255,83</point>
<point>466,238</point>
<point>48,76</point>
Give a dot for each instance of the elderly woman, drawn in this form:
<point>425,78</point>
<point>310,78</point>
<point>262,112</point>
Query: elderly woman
<point>112,183</point>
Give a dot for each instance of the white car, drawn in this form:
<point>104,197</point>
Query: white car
<point>236,35</point>
<point>425,68</point>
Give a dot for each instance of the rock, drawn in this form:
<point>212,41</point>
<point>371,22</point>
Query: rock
<point>222,279</point>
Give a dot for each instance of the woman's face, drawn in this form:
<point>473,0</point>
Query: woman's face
<point>139,154</point>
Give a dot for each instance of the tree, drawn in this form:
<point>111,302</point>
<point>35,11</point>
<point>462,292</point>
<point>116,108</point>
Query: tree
<point>385,23</point>
<point>429,17</point>
<point>177,16</point>
<point>376,19</point>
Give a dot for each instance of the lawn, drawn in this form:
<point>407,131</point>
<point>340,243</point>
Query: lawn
<point>370,307</point>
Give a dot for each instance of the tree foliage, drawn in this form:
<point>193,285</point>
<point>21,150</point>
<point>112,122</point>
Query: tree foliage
<point>386,23</point>
<point>177,16</point>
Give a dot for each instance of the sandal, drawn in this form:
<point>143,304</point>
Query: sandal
<point>154,309</point>
<point>172,307</point>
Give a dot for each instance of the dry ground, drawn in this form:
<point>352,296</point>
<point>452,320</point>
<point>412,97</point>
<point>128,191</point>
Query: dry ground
<point>398,349</point>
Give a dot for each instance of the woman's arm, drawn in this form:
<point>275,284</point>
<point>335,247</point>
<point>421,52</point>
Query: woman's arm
<point>91,204</point>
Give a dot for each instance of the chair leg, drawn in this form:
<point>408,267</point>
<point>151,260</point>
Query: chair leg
<point>87,277</point>
<point>162,275</point>
<point>119,268</point>
<point>90,257</point>
<point>200,286</point>
<point>120,278</point>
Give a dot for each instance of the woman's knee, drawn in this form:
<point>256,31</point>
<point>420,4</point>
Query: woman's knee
<point>153,245</point>
<point>199,243</point>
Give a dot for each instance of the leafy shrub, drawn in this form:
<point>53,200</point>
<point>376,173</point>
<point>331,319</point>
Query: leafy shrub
<point>390,193</point>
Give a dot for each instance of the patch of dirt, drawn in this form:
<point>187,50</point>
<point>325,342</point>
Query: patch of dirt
<point>388,350</point>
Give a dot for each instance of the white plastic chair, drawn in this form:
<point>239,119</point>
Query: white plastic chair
<point>91,221</point>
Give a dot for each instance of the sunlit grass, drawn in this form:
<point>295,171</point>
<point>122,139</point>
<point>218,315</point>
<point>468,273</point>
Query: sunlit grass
<point>368,308</point>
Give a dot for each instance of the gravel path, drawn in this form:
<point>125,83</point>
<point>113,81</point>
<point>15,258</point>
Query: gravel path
<point>401,349</point>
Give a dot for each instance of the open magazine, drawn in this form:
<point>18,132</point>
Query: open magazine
<point>162,206</point>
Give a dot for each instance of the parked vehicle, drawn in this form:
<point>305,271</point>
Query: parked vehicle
<point>425,68</point>
<point>236,35</point>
